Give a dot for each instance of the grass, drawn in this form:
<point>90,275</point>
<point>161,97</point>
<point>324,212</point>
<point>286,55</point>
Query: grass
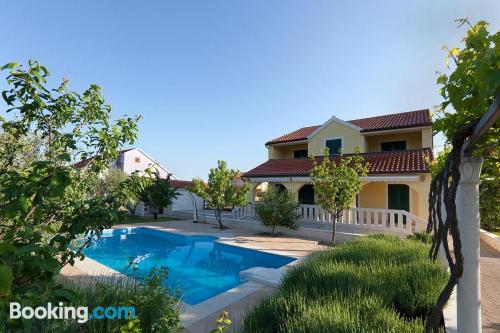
<point>130,219</point>
<point>156,307</point>
<point>495,231</point>
<point>372,284</point>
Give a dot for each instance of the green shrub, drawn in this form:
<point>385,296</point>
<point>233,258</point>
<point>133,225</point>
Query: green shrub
<point>278,208</point>
<point>421,236</point>
<point>377,283</point>
<point>156,308</point>
<point>292,312</point>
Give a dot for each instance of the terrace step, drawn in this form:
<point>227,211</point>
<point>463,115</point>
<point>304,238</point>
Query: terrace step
<point>268,276</point>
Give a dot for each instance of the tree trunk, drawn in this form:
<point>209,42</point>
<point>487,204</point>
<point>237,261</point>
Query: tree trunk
<point>155,213</point>
<point>274,226</point>
<point>132,208</point>
<point>334,228</point>
<point>218,213</point>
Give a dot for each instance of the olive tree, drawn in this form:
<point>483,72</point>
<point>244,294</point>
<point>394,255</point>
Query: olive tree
<point>278,208</point>
<point>110,181</point>
<point>337,182</point>
<point>220,191</point>
<point>46,204</point>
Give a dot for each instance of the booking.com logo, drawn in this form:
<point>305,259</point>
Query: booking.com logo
<point>80,313</point>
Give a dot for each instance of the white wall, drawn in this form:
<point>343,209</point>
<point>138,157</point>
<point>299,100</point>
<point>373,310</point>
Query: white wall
<point>184,202</point>
<point>136,160</point>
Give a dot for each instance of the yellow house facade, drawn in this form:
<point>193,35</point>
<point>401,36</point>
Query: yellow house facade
<point>396,147</point>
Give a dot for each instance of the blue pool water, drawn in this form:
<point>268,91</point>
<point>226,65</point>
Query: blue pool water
<point>197,265</point>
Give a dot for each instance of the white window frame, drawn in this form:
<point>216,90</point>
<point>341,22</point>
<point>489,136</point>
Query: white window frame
<point>335,138</point>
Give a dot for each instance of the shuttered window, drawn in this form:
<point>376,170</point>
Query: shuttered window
<point>334,146</point>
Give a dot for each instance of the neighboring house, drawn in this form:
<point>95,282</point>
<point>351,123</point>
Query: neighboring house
<point>395,146</point>
<point>185,199</point>
<point>135,159</point>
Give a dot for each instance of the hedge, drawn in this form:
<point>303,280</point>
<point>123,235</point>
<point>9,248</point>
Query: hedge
<point>376,283</point>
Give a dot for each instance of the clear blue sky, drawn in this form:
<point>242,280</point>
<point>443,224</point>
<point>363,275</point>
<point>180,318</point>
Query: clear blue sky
<point>217,79</point>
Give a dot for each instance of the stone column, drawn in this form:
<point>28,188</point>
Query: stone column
<point>469,285</point>
<point>252,192</point>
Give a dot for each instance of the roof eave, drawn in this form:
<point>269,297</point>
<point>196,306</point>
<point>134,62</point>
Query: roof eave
<point>337,120</point>
<point>399,128</point>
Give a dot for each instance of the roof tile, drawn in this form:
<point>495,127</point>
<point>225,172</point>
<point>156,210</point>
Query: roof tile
<point>409,161</point>
<point>380,123</point>
<point>175,183</point>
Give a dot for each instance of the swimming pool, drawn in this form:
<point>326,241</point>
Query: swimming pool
<point>198,266</point>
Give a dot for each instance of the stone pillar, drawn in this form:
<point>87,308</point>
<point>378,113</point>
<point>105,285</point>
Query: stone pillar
<point>294,188</point>
<point>469,285</point>
<point>251,193</point>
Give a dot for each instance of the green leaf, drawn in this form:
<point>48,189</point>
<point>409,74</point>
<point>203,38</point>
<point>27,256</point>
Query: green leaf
<point>50,265</point>
<point>4,247</point>
<point>10,65</point>
<point>6,278</point>
<point>23,203</point>
<point>65,294</point>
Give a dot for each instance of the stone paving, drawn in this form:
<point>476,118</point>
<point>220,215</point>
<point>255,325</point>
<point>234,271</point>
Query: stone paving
<point>490,288</point>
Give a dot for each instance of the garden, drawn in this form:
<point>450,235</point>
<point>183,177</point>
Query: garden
<point>377,283</point>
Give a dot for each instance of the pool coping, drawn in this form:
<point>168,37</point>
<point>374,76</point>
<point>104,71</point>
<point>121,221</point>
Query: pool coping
<point>192,314</point>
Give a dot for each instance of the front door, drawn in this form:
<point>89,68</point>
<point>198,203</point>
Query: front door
<point>399,197</point>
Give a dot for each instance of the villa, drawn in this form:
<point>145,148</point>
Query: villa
<point>396,147</point>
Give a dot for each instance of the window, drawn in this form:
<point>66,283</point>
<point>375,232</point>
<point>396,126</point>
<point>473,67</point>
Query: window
<point>137,160</point>
<point>334,146</point>
<point>398,197</point>
<point>300,153</point>
<point>393,146</point>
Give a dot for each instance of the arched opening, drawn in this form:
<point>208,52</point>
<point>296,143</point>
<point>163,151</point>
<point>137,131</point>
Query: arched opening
<point>306,195</point>
<point>259,189</point>
<point>280,187</point>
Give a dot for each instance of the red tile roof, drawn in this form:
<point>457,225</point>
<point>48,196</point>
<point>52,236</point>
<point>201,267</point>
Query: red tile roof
<point>298,135</point>
<point>83,163</point>
<point>180,183</point>
<point>409,161</point>
<point>380,123</point>
<point>394,121</point>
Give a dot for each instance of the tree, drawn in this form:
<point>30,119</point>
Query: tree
<point>46,204</point>
<point>278,208</point>
<point>110,181</point>
<point>467,93</point>
<point>134,186</point>
<point>220,191</point>
<point>19,151</point>
<point>489,190</point>
<point>158,194</point>
<point>470,92</point>
<point>336,183</point>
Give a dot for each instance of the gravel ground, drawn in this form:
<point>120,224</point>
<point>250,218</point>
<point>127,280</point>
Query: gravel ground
<point>490,288</point>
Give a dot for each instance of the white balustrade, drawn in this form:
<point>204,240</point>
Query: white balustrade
<point>391,220</point>
<point>399,221</point>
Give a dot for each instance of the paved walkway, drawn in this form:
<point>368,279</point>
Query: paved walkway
<point>490,288</point>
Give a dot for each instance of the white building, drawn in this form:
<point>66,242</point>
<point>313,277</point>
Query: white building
<point>135,159</point>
